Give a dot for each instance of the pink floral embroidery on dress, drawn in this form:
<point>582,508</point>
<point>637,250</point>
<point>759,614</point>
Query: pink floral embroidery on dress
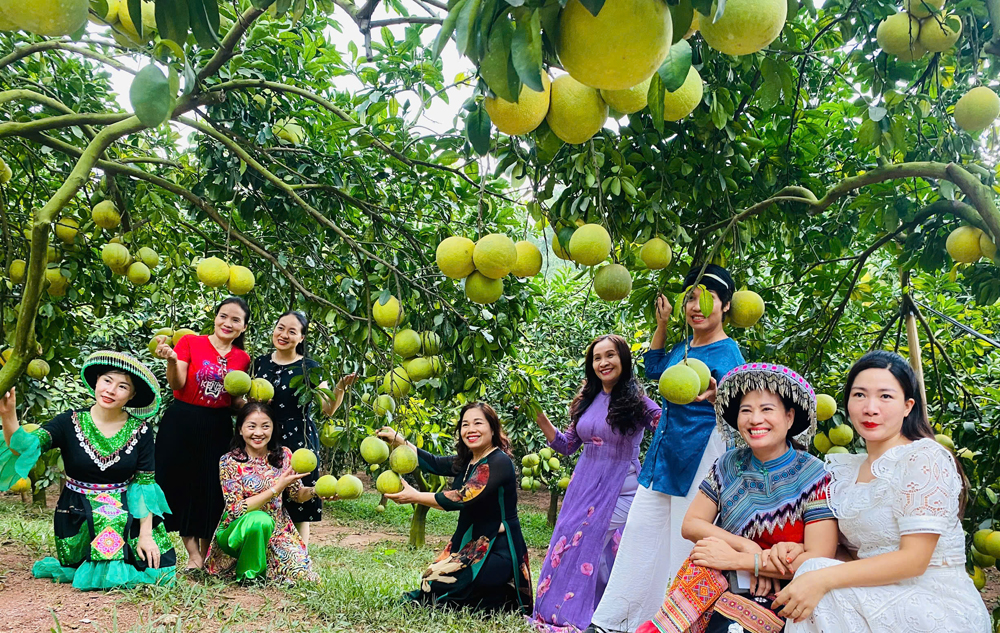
<point>544,585</point>
<point>597,441</point>
<point>568,596</point>
<point>590,512</point>
<point>576,539</point>
<point>586,569</point>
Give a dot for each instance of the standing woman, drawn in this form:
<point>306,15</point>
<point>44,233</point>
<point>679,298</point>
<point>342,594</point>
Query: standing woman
<point>899,508</point>
<point>608,418</point>
<point>684,447</point>
<point>106,533</point>
<point>485,565</point>
<point>197,428</point>
<point>298,430</point>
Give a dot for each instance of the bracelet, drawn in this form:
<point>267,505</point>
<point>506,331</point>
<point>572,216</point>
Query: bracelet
<point>274,493</point>
<point>756,565</point>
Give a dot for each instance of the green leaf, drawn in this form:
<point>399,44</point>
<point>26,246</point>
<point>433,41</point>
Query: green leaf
<point>654,99</point>
<point>447,28</point>
<point>770,89</point>
<point>594,6</point>
<point>173,20</point>
<point>134,9</point>
<point>204,18</point>
<point>465,27</point>
<point>703,7</point>
<point>477,129</point>
<point>706,303</point>
<point>681,15</point>
<point>384,297</point>
<point>526,50</point>
<point>674,69</point>
<point>496,61</point>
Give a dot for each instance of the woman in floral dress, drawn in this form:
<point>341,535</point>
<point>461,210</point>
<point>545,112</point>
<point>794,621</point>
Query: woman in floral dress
<point>256,538</point>
<point>108,527</point>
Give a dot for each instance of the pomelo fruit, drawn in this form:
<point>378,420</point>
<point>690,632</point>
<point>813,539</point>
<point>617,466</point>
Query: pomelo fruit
<point>349,487</point>
<point>150,96</point>
<point>213,272</point>
<point>5,356</point>
<point>66,230</point>
<point>110,16</point>
<point>700,368</point>
<point>680,384</point>
<point>546,453</point>
<point>746,26</point>
<point>437,365</point>
<point>938,34</point>
<point>17,270</point>
<point>481,289</point>
<point>420,368</point>
<point>51,18</point>
<point>979,539</point>
<point>822,442</point>
<point>326,486</point>
<point>380,508</point>
<point>629,100</point>
<point>389,314</point>
<point>237,383</point>
<point>514,119</point>
<point>406,343</point>
<point>430,343</point>
<point>304,461</point>
<point>374,450</point>
<point>621,47</point>
<point>923,8</point>
<point>836,450</point>
<point>403,460</point>
<point>138,273</point>
<point>290,131</point>
<point>746,308</point>
<point>563,483</point>
<point>30,428</point>
<point>52,255</point>
<point>987,247</point>
<point>115,256</point>
<point>590,245</point>
<point>149,257</point>
<point>526,483</point>
<point>241,280</point>
<point>977,109</point>
<point>656,254</point>
<point>384,404</point>
<point>105,215</point>
<point>454,257</point>
<point>841,435</point>
<point>554,464</point>
<point>530,460</point>
<point>529,260</point>
<point>577,111</point>
<point>992,545</point>
<point>58,283</point>
<point>494,255</point>
<point>683,101</point>
<point>38,369</point>
<point>261,390</point>
<point>981,559</point>
<point>6,173</point>
<point>898,35</point>
<point>181,333</point>
<point>978,578</point>
<point>826,406</point>
<point>612,282</point>
<point>963,245</point>
<point>397,383</point>
<point>147,16</point>
<point>389,483</point>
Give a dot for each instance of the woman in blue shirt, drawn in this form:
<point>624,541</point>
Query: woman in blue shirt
<point>684,447</point>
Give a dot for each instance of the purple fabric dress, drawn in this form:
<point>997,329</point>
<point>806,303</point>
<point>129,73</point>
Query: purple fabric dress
<point>571,582</point>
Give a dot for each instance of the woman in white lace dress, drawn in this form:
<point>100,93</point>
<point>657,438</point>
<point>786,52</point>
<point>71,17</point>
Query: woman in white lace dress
<point>899,510</point>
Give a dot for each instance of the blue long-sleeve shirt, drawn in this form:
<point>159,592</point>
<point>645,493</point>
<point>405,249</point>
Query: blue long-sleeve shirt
<point>684,430</point>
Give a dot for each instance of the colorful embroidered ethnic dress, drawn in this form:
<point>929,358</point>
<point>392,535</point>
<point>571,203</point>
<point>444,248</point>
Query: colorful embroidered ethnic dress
<point>243,477</point>
<point>109,487</point>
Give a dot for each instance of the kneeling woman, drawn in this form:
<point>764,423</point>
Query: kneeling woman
<point>256,538</point>
<point>485,565</point>
<point>761,510</point>
<point>106,534</point>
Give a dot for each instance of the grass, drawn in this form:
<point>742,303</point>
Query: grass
<point>359,593</point>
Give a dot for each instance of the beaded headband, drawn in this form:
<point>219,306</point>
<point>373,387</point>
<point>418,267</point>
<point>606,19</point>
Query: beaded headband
<point>146,401</point>
<point>768,377</point>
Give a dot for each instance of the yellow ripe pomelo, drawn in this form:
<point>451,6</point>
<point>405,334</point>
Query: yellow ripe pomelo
<point>992,545</point>
<point>987,247</point>
<point>945,441</point>
<point>105,215</point>
<point>898,35</point>
<point>397,383</point>
<point>52,18</point>
<point>289,130</point>
<point>17,269</point>
<point>495,255</point>
<point>923,8</point>
<point>822,442</point>
<point>529,260</point>
<point>115,256</point>
<point>746,26</point>
<point>524,116</point>
<point>621,47</point>
<point>326,486</point>
<point>38,369</point>
<point>111,16</point>
<point>558,249</point>
<point>656,254</point>
<point>826,406</point>
<point>388,314</point>
<point>612,282</point>
<point>138,273</point>
<point>176,337</point>
<point>6,173</point>
<point>627,100</point>
<point>66,230</point>
<point>389,483</point>
<point>746,308</point>
<point>237,383</point>
<point>978,578</point>
<point>384,404</point>
<point>148,18</point>
<point>963,245</point>
<point>57,282</point>
<point>261,390</point>
<point>241,280</point>
<point>403,460</point>
<point>977,109</point>
<point>349,487</point>
<point>213,272</point>
<point>5,356</point>
<point>406,343</point>
<point>938,34</point>
<point>454,257</point>
<point>680,384</point>
<point>6,25</point>
<point>304,461</point>
<point>683,101</point>
<point>590,245</point>
<point>837,450</point>
<point>841,435</point>
<point>577,112</point>
<point>374,450</point>
<point>149,257</point>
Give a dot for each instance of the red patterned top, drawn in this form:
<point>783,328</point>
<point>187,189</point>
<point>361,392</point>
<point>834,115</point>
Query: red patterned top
<point>206,371</point>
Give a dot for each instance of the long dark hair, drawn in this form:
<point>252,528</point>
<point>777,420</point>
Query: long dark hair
<point>275,452</point>
<point>724,288</point>
<point>499,437</point>
<point>241,339</point>
<point>303,323</point>
<point>915,424</point>
<point>627,410</point>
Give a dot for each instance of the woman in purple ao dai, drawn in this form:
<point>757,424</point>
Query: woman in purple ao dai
<point>608,418</point>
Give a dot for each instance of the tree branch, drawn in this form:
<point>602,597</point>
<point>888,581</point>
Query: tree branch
<point>229,42</point>
<point>50,45</point>
<point>17,128</point>
<point>375,24</point>
<point>993,8</point>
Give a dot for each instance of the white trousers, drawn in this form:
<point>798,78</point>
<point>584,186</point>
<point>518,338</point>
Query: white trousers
<point>651,551</point>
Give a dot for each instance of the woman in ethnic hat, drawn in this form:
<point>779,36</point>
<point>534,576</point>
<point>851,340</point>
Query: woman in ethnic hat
<point>106,533</point>
<point>759,514</point>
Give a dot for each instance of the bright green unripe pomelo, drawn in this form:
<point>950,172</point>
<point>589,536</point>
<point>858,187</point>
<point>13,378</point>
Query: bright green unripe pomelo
<point>389,483</point>
<point>680,384</point>
<point>403,460</point>
<point>406,343</point>
<point>612,282</point>
<point>237,383</point>
<point>704,373</point>
<point>181,333</point>
<point>349,487</point>
<point>384,404</point>
<point>304,461</point>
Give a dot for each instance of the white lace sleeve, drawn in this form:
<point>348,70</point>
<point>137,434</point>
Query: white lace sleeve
<point>926,490</point>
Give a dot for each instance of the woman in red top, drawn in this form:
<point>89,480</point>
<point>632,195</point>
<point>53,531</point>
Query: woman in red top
<point>197,428</point>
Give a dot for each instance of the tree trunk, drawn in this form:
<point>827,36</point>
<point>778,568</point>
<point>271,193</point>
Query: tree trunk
<point>418,526</point>
<point>913,343</point>
<point>553,507</point>
<point>38,496</point>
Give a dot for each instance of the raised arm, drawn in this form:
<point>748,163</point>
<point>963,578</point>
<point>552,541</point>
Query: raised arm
<point>565,443</point>
<point>177,360</point>
<point>663,310</point>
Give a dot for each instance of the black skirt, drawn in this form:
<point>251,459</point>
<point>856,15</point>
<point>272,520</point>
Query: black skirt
<point>189,443</point>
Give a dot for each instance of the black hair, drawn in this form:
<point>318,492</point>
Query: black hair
<point>711,280</point>
<point>275,451</point>
<point>303,320</point>
<point>627,410</point>
<point>241,339</point>
<point>915,424</point>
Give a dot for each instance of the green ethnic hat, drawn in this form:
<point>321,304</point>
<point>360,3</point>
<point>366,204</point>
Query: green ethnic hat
<point>146,401</point>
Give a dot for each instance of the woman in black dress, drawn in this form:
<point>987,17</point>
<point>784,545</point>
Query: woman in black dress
<point>485,565</point>
<point>292,405</point>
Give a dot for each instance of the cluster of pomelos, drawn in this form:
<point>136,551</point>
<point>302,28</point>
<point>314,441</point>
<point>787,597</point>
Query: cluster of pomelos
<point>485,263</point>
